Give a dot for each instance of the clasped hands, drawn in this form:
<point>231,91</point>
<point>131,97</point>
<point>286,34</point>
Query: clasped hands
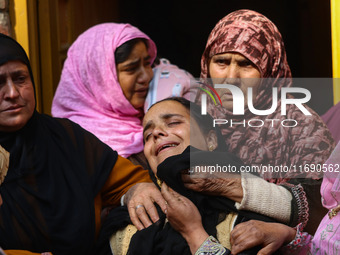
<point>184,216</point>
<point>141,197</point>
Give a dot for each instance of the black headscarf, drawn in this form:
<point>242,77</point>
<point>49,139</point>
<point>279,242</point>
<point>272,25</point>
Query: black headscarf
<point>56,169</point>
<point>11,50</point>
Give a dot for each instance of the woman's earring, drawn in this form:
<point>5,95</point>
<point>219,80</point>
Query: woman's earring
<point>211,147</point>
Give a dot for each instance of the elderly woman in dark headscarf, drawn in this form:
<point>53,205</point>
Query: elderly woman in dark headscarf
<point>60,176</point>
<point>243,47</point>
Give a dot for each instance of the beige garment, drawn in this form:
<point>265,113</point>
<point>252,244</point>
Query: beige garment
<point>4,163</point>
<point>120,241</point>
<point>265,198</point>
<point>224,228</point>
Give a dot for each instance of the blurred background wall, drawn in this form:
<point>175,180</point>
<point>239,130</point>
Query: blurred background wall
<point>46,29</point>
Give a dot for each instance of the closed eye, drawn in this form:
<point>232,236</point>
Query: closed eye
<point>174,123</point>
<point>147,136</point>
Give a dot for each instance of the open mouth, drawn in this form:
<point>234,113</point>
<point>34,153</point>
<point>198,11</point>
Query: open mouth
<point>165,146</point>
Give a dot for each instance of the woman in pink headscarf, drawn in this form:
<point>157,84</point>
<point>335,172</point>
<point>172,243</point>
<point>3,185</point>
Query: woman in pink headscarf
<point>243,48</point>
<point>104,84</point>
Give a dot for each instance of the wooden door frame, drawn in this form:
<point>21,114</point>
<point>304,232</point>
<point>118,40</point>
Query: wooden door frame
<point>35,27</point>
<point>335,21</point>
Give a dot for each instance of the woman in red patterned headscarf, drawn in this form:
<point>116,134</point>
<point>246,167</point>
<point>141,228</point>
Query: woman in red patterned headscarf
<point>243,47</point>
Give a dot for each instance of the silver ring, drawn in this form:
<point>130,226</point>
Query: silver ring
<point>138,206</point>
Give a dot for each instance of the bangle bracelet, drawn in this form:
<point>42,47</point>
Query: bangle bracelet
<point>211,247</point>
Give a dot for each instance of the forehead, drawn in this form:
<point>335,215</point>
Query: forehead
<point>14,65</point>
<point>166,107</point>
<point>235,55</point>
<point>138,50</point>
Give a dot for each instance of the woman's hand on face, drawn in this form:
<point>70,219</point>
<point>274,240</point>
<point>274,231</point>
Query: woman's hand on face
<point>271,236</point>
<point>140,200</point>
<point>215,184</point>
<point>184,217</point>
